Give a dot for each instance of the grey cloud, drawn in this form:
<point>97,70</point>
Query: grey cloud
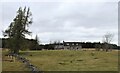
<point>68,21</point>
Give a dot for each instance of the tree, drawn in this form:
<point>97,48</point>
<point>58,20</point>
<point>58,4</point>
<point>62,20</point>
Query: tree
<point>56,42</point>
<point>36,42</point>
<point>107,38</point>
<point>18,29</point>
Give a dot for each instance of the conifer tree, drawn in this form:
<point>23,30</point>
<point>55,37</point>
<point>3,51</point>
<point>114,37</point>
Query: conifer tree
<point>18,29</point>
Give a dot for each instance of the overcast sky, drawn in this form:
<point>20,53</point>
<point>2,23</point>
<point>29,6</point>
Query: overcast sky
<point>68,20</point>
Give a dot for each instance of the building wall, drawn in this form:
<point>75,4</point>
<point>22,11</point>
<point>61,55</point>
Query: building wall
<point>69,45</point>
<point>73,47</point>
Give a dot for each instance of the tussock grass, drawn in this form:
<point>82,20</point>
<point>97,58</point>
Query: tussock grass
<point>71,60</point>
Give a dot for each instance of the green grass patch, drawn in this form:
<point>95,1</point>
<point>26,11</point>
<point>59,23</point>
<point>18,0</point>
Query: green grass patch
<point>70,60</point>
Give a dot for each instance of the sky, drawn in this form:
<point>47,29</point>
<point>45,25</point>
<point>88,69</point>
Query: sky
<point>65,20</point>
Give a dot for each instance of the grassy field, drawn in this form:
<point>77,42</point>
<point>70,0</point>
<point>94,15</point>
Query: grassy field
<point>12,66</point>
<point>70,60</point>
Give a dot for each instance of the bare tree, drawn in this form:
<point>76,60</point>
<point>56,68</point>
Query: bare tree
<point>107,38</point>
<point>56,42</point>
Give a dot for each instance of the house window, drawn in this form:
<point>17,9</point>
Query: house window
<point>73,44</point>
<point>67,43</point>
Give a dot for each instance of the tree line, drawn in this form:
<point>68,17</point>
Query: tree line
<point>32,44</point>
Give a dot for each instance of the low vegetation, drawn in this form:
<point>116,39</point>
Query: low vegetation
<point>9,65</point>
<point>67,60</point>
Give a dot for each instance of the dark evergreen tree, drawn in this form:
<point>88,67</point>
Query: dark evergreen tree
<point>36,42</point>
<point>18,29</point>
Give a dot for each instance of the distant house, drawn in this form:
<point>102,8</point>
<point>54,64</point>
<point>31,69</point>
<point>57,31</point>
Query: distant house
<point>72,45</point>
<point>68,45</point>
